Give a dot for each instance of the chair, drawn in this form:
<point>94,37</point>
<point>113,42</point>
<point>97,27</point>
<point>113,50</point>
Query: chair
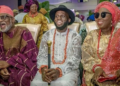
<point>33,28</point>
<point>74,26</point>
<point>91,26</point>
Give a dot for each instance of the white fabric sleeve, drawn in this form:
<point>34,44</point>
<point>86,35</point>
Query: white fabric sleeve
<point>42,58</point>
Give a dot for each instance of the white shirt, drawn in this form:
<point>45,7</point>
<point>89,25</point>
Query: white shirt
<point>73,50</point>
<point>19,17</point>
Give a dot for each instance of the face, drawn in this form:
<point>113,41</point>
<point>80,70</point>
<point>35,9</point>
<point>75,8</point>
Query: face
<point>33,8</point>
<point>6,22</point>
<point>104,19</point>
<point>61,18</point>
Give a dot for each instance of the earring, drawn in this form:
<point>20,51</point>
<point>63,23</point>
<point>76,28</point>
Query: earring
<point>111,23</point>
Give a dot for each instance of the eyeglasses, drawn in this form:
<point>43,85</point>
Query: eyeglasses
<point>103,14</point>
<point>4,17</point>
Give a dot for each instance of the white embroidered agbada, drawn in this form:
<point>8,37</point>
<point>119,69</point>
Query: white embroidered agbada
<point>70,71</point>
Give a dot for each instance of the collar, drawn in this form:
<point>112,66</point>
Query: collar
<point>62,33</point>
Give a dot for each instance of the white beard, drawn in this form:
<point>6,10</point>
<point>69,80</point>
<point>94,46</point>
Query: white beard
<point>7,28</point>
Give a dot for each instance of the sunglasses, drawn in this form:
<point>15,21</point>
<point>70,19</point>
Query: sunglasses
<point>103,14</point>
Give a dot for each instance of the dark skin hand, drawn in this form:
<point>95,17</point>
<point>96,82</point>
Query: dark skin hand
<point>49,75</point>
<point>44,76</point>
<point>53,74</point>
<point>4,74</point>
<point>4,64</point>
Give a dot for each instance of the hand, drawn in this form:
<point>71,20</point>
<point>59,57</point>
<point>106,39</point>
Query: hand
<point>98,72</point>
<point>118,76</point>
<point>44,76</point>
<point>53,74</point>
<point>4,74</point>
<point>4,64</point>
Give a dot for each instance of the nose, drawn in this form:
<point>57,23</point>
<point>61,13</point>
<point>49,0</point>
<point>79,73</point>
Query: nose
<point>58,17</point>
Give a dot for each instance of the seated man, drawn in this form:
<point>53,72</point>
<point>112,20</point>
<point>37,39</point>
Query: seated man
<point>65,56</point>
<point>18,52</point>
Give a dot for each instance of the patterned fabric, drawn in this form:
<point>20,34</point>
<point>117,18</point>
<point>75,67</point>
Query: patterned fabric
<point>39,19</point>
<point>72,61</point>
<point>90,57</point>
<point>109,63</point>
<point>73,50</point>
<point>109,57</point>
<point>18,48</point>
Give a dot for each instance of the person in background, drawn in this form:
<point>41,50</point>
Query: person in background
<point>18,52</point>
<point>15,11</point>
<point>77,18</point>
<point>20,15</point>
<point>101,48</point>
<point>43,11</point>
<point>33,17</point>
<point>65,48</point>
<point>91,18</point>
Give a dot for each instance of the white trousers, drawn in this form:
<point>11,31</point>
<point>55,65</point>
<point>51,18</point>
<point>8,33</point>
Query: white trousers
<point>70,79</point>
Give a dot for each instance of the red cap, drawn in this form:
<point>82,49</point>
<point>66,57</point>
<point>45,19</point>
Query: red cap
<point>6,9</point>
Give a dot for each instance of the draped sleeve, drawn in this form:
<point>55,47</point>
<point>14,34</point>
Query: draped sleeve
<point>42,58</point>
<point>89,55</point>
<point>26,59</point>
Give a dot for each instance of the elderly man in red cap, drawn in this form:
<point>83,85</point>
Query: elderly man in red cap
<point>18,52</point>
<point>65,48</point>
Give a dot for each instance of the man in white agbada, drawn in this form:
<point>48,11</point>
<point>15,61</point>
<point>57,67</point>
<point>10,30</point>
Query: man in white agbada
<point>65,52</point>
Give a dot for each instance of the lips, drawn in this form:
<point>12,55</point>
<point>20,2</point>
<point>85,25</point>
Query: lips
<point>100,22</point>
<point>59,22</point>
<point>2,25</point>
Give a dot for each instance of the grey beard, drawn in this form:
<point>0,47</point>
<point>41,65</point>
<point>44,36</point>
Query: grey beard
<point>7,28</point>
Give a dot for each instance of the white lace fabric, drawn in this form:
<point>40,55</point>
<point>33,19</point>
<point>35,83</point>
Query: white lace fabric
<point>73,50</point>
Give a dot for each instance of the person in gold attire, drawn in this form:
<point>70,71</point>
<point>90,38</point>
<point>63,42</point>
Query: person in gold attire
<point>101,48</point>
<point>33,17</point>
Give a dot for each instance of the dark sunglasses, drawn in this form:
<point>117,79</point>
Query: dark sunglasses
<point>103,14</point>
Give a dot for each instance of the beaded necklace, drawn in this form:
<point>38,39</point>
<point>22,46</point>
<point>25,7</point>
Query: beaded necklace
<point>33,15</point>
<point>108,42</point>
<point>65,49</point>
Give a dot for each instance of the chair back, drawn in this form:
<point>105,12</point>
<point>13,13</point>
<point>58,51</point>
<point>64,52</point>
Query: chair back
<point>74,26</point>
<point>93,26</point>
<point>33,28</point>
